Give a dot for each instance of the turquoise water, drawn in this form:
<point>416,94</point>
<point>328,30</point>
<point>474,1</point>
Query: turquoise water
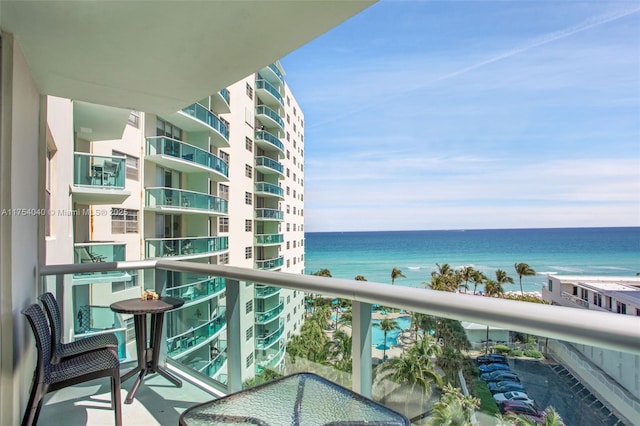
<point>377,335</point>
<point>568,251</point>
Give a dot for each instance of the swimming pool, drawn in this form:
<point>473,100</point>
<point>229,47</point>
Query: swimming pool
<point>377,335</point>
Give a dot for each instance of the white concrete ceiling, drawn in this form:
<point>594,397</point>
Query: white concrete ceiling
<point>159,56</point>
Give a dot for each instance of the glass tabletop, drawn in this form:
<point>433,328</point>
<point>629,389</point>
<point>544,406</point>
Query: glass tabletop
<point>300,399</point>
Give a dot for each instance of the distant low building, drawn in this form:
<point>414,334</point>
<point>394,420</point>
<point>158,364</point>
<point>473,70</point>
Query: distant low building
<point>477,334</point>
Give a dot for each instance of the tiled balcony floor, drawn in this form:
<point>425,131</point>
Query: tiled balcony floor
<point>157,402</point>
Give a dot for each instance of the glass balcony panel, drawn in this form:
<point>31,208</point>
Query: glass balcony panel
<point>268,337</point>
<point>267,239</point>
<point>269,163</point>
<point>183,342</point>
<point>265,110</point>
<point>271,214</point>
<point>262,291</point>
<point>269,188</point>
<point>265,85</point>
<point>162,145</point>
<point>276,71</point>
<point>209,118</point>
<point>270,263</point>
<point>263,135</point>
<point>99,171</point>
<point>182,199</point>
<point>271,358</point>
<point>266,316</point>
<point>225,95</point>
<point>189,246</point>
<point>197,290</point>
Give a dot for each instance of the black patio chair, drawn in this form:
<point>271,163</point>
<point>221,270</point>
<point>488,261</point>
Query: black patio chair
<point>50,377</point>
<point>62,351</point>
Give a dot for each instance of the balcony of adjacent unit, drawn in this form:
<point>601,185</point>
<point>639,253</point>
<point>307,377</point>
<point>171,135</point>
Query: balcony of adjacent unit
<point>269,141</point>
<point>269,94</point>
<point>269,311</point>
<point>163,199</point>
<point>221,102</point>
<point>186,247</point>
<point>195,338</point>
<point>269,166</point>
<point>99,179</point>
<point>269,239</point>
<point>183,157</point>
<point>267,189</point>
<point>269,264</point>
<point>269,117</point>
<point>99,252</point>
<point>269,214</point>
<point>199,290</point>
<point>267,336</point>
<point>198,118</point>
<point>264,291</point>
<point>218,360</point>
<point>271,358</point>
<point>272,74</point>
<point>93,320</point>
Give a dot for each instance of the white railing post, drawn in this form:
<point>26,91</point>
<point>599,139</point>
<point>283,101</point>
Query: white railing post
<point>361,348</point>
<point>234,341</point>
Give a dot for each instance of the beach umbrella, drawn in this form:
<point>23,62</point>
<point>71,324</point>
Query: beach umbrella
<point>383,347</point>
<point>335,302</point>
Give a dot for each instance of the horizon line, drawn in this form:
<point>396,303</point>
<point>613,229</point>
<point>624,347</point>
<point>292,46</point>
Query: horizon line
<point>477,229</point>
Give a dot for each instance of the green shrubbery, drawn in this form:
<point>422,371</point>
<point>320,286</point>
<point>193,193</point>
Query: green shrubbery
<point>501,349</point>
<point>487,403</point>
<point>516,352</point>
<point>532,353</point>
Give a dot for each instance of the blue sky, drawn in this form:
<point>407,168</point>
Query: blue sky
<point>470,115</point>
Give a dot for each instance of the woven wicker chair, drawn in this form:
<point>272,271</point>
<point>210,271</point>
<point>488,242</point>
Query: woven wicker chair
<point>50,377</point>
<point>62,351</point>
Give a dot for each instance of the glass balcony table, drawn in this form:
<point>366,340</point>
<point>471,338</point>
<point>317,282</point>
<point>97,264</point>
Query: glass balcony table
<point>148,356</point>
<point>299,399</point>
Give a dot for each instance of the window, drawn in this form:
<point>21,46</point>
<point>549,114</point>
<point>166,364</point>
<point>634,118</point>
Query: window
<point>223,224</point>
<point>247,225</point>
<point>294,127</point>
<point>288,263</point>
<point>250,95</point>
<point>550,285</point>
<point>288,154</point>
<point>288,245</point>
<point>131,164</point>
<point>288,138</point>
<point>288,207</point>
<point>124,221</point>
<point>250,360</point>
<point>288,101</point>
<point>288,190</point>
<point>248,143</point>
<point>288,317</point>
<point>248,252</point>
<point>288,172</point>
<point>295,112</point>
<point>288,228</point>
<point>295,310</point>
<point>249,333</point>
<point>224,156</point>
<point>288,119</point>
<point>288,299</point>
<point>248,171</point>
<point>167,129</point>
<point>134,119</point>
<point>248,307</point>
<point>223,191</point>
<point>223,258</point>
<point>248,198</point>
<point>294,243</point>
<point>125,285</point>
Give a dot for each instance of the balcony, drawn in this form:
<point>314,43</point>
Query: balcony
<point>272,74</point>
<point>268,165</point>
<point>180,200</point>
<point>221,102</point>
<point>185,343</point>
<point>188,247</point>
<point>269,338</point>
<point>199,290</point>
<point>198,118</point>
<point>97,252</point>
<point>269,214</point>
<point>268,93</point>
<point>181,156</point>
<point>269,239</point>
<point>598,331</point>
<point>271,359</point>
<point>271,314</point>
<point>269,190</point>
<point>269,264</point>
<point>99,179</point>
<point>269,117</point>
<point>268,141</point>
<point>260,291</point>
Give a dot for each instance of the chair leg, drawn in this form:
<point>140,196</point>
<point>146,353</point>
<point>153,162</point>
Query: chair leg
<point>33,406</point>
<point>116,397</point>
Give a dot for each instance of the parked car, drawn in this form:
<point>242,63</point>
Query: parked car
<point>504,386</point>
<point>523,409</point>
<point>513,396</point>
<point>499,375</point>
<point>487,368</point>
<point>488,359</point>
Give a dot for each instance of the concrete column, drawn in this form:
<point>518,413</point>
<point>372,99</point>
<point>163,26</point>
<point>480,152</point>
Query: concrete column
<point>361,348</point>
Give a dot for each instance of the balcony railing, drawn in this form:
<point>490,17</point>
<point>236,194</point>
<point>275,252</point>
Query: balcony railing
<point>265,85</point>
<point>185,200</point>
<point>269,337</point>
<point>600,329</point>
<point>225,95</point>
<point>266,111</point>
<point>264,136</point>
<point>269,214</point>
<point>269,188</point>
<point>96,252</point>
<point>276,71</point>
<point>200,289</point>
<point>575,299</point>
<point>188,246</point>
<point>99,171</point>
<point>161,145</point>
<point>269,264</point>
<point>207,117</point>
<point>263,317</point>
<point>190,339</point>
<point>269,163</point>
<point>271,359</point>
<point>261,291</point>
<point>269,239</point>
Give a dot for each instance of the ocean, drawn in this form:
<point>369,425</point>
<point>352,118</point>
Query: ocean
<point>564,251</point>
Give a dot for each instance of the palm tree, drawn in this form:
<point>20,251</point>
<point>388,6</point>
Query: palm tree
<point>387,325</point>
<point>360,278</point>
<point>493,288</point>
<point>341,351</point>
<point>453,408</point>
<point>466,274</point>
<point>478,278</point>
<point>523,269</point>
<point>323,273</point>
<point>551,418</point>
<point>396,273</point>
